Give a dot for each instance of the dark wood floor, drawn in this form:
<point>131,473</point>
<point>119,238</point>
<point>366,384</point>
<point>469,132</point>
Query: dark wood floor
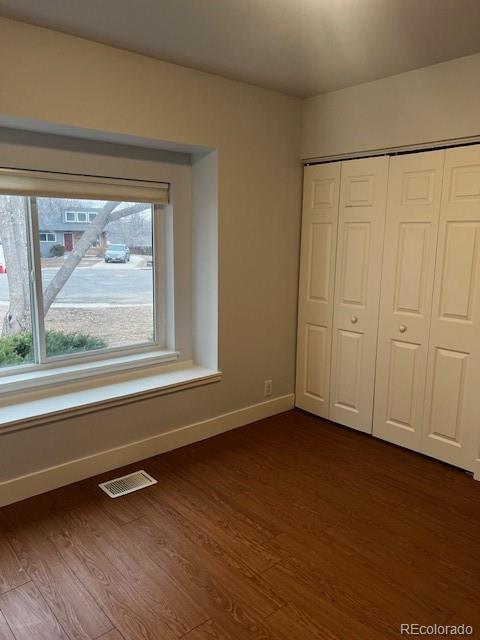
<point>290,528</point>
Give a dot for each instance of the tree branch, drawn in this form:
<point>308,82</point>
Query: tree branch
<point>121,213</point>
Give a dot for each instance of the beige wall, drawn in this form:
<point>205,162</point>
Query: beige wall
<point>435,103</point>
<point>47,76</point>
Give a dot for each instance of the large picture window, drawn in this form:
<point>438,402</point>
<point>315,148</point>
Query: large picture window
<point>81,268</point>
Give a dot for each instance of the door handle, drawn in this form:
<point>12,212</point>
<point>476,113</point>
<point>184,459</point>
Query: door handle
<point>354,319</point>
<point>402,328</point>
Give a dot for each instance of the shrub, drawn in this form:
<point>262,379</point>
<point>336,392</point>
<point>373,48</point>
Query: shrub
<point>18,348</point>
<point>59,343</point>
<point>57,251</point>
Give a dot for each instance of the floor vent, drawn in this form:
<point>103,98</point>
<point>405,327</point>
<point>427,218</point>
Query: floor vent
<point>126,484</point>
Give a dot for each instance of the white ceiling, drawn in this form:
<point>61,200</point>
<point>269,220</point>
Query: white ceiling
<point>300,47</point>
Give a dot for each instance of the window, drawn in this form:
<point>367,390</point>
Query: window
<point>79,216</point>
<point>106,298</point>
<point>46,236</point>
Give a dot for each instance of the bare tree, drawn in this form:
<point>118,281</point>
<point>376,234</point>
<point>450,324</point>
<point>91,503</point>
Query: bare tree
<point>133,230</point>
<point>13,235</point>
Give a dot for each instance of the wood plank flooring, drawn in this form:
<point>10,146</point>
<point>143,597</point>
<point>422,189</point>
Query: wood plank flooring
<point>289,528</point>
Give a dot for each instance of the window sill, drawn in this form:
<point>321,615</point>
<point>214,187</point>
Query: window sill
<point>49,404</point>
<point>52,376</point>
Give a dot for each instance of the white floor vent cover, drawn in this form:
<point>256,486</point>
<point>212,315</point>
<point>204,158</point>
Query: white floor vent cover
<point>126,484</point>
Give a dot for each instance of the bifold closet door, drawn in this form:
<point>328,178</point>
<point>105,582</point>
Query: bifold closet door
<point>361,221</point>
<point>317,268</point>
<point>452,418</point>
<point>414,194</point>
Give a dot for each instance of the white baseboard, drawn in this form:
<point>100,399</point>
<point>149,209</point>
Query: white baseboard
<point>53,477</point>
<point>476,470</point>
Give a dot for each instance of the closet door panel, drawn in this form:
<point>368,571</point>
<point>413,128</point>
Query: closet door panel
<point>404,374</point>
<point>452,425</point>
<point>315,307</point>
<point>315,345</point>
<point>357,290</point>
<point>347,366</point>
<point>414,195</point>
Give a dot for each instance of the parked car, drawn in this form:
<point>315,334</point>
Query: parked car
<point>117,253</point>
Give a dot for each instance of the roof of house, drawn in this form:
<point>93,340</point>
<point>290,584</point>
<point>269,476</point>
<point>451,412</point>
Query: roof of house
<point>52,218</point>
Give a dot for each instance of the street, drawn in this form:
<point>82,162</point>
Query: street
<point>112,284</point>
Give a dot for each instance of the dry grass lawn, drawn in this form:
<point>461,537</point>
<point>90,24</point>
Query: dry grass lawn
<point>117,326</point>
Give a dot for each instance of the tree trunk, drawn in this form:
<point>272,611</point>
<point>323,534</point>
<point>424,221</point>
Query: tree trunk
<point>13,230</point>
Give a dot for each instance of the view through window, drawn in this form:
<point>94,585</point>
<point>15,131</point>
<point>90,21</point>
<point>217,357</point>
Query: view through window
<point>94,286</point>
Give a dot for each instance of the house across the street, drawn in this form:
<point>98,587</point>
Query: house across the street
<point>65,227</point>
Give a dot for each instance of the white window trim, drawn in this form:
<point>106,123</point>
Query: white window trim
<point>48,376</point>
<point>39,406</point>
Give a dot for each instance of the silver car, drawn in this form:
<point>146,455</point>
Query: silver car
<point>117,253</point>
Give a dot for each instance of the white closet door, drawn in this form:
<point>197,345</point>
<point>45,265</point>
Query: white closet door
<point>414,194</point>
<point>315,306</point>
<point>363,194</point>
<point>452,418</point>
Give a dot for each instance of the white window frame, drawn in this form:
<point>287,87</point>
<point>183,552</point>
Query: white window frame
<point>47,233</point>
<point>91,217</point>
<point>82,213</point>
<point>48,371</point>
<point>70,213</point>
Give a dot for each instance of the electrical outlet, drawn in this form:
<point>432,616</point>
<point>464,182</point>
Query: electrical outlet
<point>267,389</point>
